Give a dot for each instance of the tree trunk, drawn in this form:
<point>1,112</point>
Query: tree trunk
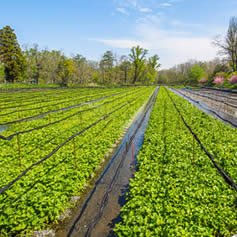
<point>135,75</point>
<point>8,76</point>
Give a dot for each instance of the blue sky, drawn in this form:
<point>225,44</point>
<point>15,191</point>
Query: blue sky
<point>176,30</point>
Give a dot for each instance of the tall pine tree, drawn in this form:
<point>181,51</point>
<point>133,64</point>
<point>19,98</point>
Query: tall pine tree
<point>11,55</point>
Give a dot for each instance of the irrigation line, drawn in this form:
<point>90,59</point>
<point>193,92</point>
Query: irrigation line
<point>10,137</point>
<point>6,187</point>
<point>221,89</point>
<point>52,99</point>
<point>51,139</point>
<point>226,177</point>
<point>212,111</point>
<point>17,199</point>
<point>63,109</point>
<point>226,95</point>
<point>62,101</point>
<point>57,110</point>
<point>112,183</point>
<point>105,197</point>
<point>211,98</point>
<point>23,99</point>
<point>23,104</point>
<point>36,98</point>
<point>28,95</point>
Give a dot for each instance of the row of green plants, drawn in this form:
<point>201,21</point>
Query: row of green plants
<point>26,148</point>
<point>176,190</point>
<point>33,105</point>
<point>9,86</point>
<point>219,138</point>
<point>40,197</point>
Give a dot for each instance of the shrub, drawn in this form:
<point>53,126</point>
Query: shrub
<point>203,81</point>
<point>219,80</point>
<point>233,79</point>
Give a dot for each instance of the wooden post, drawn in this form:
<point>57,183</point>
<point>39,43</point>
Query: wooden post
<point>193,160</point>
<point>18,115</point>
<point>74,153</point>
<point>49,117</point>
<point>133,153</point>
<point>19,149</point>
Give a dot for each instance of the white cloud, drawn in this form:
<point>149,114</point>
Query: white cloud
<point>121,43</point>
<point>166,4</point>
<point>122,10</point>
<point>173,40</point>
<point>178,50</point>
<point>173,46</point>
<point>172,50</point>
<point>145,9</point>
<point>136,5</point>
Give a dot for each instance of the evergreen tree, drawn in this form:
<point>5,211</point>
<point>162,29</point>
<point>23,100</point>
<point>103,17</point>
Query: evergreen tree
<point>2,76</point>
<point>11,55</point>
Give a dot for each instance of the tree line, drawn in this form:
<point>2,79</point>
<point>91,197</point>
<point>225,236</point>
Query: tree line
<point>32,65</point>
<point>219,71</point>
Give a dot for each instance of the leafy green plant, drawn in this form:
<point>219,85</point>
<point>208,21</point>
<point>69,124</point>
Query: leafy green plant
<point>176,190</point>
<point>41,196</point>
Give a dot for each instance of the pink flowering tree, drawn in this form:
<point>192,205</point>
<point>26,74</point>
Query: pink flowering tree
<point>233,79</point>
<point>203,81</point>
<point>219,80</point>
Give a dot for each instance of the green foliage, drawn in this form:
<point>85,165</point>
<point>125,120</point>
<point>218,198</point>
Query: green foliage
<point>19,86</point>
<point>49,63</point>
<point>196,73</point>
<point>176,190</point>
<point>11,55</point>
<point>137,57</point>
<point>34,64</point>
<point>152,69</point>
<point>125,66</point>
<point>42,195</point>
<point>66,69</point>
<point>82,69</point>
<point>106,66</point>
<point>220,68</point>
<point>2,75</point>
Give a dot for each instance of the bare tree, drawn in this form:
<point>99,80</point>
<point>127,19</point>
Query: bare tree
<point>228,46</point>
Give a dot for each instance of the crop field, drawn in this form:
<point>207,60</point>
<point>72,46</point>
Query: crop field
<point>185,184</point>
<point>116,121</point>
<point>52,142</point>
<point>221,103</point>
